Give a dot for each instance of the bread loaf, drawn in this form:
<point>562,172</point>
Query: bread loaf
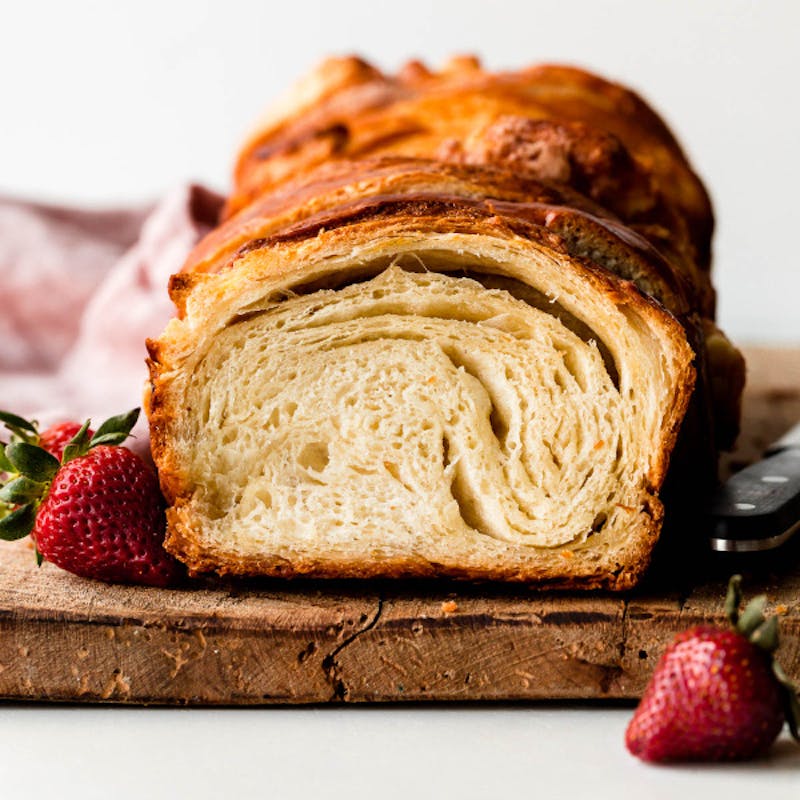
<point>450,325</point>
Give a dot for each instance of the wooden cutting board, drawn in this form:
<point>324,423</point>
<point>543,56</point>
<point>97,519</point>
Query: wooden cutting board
<point>68,639</point>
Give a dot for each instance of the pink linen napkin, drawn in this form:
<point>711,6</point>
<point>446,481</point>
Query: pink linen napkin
<point>80,291</point>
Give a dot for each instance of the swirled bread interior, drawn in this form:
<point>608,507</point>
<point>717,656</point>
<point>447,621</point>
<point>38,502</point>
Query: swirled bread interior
<point>442,413</point>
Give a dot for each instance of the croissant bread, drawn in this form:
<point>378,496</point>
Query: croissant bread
<point>451,323</point>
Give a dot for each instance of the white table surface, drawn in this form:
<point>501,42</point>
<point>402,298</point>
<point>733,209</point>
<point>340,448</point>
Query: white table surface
<point>550,751</point>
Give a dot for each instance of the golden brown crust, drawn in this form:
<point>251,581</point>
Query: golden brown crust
<point>557,123</point>
<point>337,196</point>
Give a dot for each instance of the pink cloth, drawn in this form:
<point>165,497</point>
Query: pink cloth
<point>80,291</point>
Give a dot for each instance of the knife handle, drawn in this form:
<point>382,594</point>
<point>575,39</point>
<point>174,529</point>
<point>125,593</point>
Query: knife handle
<point>759,507</point>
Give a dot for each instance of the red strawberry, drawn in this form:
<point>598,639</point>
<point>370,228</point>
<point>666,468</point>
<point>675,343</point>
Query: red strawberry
<point>55,438</point>
<point>103,518</point>
<point>716,695</point>
<point>98,514</point>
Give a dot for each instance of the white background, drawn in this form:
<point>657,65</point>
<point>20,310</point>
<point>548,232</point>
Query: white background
<point>118,101</point>
<point>113,102</point>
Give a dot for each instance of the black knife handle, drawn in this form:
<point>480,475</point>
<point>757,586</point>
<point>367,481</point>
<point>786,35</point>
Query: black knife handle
<point>760,503</point>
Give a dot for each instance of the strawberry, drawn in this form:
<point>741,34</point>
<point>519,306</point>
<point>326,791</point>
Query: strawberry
<point>716,694</point>
<point>97,512</point>
<point>55,438</point>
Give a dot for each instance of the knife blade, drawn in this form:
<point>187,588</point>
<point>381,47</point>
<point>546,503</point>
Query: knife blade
<point>759,507</point>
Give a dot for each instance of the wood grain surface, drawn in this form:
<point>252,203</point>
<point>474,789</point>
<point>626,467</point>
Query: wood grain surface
<point>68,639</point>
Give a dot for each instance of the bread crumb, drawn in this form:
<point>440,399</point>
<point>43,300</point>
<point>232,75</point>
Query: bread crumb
<point>599,444</point>
<point>781,609</point>
<point>625,508</point>
<point>567,554</point>
<point>449,606</point>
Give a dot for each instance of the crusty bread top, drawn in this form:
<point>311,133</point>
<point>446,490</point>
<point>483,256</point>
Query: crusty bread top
<point>346,191</point>
<point>555,123</point>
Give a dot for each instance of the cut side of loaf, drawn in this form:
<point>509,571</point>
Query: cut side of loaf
<point>471,405</point>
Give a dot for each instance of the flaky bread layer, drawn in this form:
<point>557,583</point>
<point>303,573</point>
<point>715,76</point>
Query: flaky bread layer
<point>341,192</point>
<point>380,400</point>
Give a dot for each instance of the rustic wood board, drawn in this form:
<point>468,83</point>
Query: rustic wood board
<point>67,639</point>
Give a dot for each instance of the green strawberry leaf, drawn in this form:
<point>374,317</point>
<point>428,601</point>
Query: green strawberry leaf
<point>18,524</point>
<point>109,438</point>
<point>791,704</point>
<point>21,490</point>
<point>5,464</point>
<point>752,617</point>
<point>32,461</point>
<point>733,599</point>
<point>115,430</point>
<point>12,421</point>
<point>39,557</point>
<point>766,635</point>
<point>78,445</point>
